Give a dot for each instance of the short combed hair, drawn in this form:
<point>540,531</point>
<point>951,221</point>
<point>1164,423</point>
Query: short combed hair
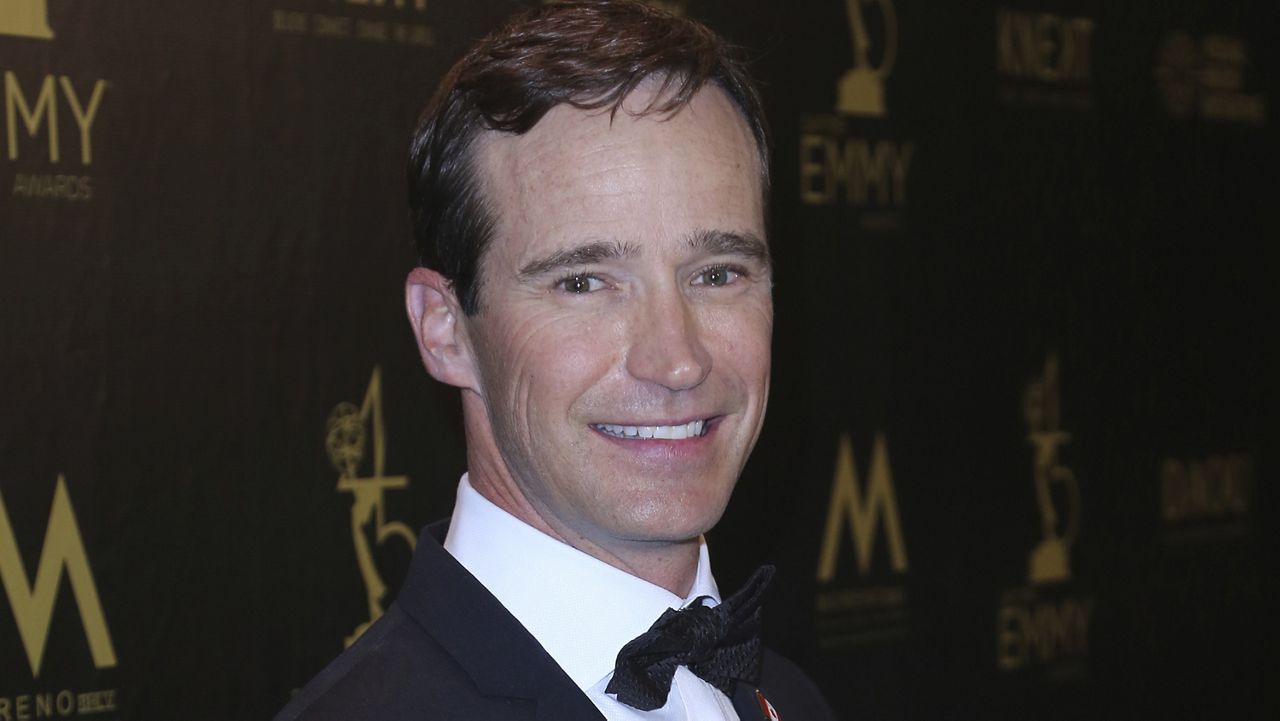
<point>590,54</point>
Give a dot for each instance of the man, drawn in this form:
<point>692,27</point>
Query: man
<point>589,188</point>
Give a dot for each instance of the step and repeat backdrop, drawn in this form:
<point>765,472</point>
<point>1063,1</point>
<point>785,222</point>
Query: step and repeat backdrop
<point>1024,403</point>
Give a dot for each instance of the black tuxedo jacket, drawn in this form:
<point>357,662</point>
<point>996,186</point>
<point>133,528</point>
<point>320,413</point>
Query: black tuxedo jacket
<point>448,650</point>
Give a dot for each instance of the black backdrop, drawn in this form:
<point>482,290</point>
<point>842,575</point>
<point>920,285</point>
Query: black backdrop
<point>1015,460</point>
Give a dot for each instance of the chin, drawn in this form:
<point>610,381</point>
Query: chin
<point>674,520</point>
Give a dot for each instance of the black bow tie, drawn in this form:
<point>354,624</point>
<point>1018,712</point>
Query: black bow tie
<point>721,645</point>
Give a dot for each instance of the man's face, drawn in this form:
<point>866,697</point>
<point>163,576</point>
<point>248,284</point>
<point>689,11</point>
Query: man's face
<point>622,346</point>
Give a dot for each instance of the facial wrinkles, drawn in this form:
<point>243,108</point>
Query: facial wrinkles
<point>612,396</point>
<point>517,344</point>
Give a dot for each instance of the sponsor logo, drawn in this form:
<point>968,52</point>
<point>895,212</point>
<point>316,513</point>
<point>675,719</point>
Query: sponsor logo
<point>350,433</point>
<point>1207,499</point>
<point>390,22</point>
<point>864,513</point>
<point>844,161</point>
<point>32,602</point>
<point>1044,625</point>
<point>63,703</point>
<point>1205,77</point>
<point>1043,59</point>
<point>872,605</point>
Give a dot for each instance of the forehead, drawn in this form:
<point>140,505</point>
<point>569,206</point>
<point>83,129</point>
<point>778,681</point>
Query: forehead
<point>580,175</point>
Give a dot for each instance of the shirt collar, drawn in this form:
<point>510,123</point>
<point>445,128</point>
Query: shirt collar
<point>581,609</point>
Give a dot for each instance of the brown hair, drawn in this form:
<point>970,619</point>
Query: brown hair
<point>590,54</point>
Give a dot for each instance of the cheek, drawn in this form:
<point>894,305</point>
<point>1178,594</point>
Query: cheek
<point>546,363</point>
<point>744,337</point>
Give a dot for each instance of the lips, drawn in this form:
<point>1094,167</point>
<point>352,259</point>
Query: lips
<point>692,429</point>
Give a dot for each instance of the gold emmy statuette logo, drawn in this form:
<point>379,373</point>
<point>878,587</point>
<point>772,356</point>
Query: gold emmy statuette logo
<point>860,90</point>
<point>32,603</point>
<point>25,18</point>
<point>1050,560</point>
<point>346,440</point>
<point>864,512</point>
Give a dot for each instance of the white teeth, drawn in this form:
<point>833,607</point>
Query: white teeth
<point>675,433</point>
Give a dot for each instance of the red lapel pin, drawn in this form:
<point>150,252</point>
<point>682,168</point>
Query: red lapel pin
<point>770,712</point>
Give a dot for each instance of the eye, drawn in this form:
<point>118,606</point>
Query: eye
<point>718,275</point>
<point>579,283</point>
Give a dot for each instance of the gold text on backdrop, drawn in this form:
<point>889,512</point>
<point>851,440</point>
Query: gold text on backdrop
<point>44,111</point>
<point>847,157</point>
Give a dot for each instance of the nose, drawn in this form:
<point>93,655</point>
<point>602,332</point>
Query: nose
<point>667,344</point>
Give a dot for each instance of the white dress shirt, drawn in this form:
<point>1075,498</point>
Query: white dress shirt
<point>581,609</point>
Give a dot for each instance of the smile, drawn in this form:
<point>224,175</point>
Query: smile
<point>692,429</point>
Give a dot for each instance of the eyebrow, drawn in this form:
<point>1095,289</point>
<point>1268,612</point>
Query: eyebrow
<point>711,242</point>
<point>586,254</point>
<point>720,242</point>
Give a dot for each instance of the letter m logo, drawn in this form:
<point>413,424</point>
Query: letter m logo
<point>864,511</point>
<point>33,603</point>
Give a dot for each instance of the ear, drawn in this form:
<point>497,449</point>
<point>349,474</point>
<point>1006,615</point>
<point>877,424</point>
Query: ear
<point>434,313</point>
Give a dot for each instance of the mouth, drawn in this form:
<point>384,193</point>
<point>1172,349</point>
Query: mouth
<point>680,432</point>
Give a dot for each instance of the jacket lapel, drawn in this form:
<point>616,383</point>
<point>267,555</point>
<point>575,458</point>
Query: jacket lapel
<point>746,703</point>
<point>499,654</point>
